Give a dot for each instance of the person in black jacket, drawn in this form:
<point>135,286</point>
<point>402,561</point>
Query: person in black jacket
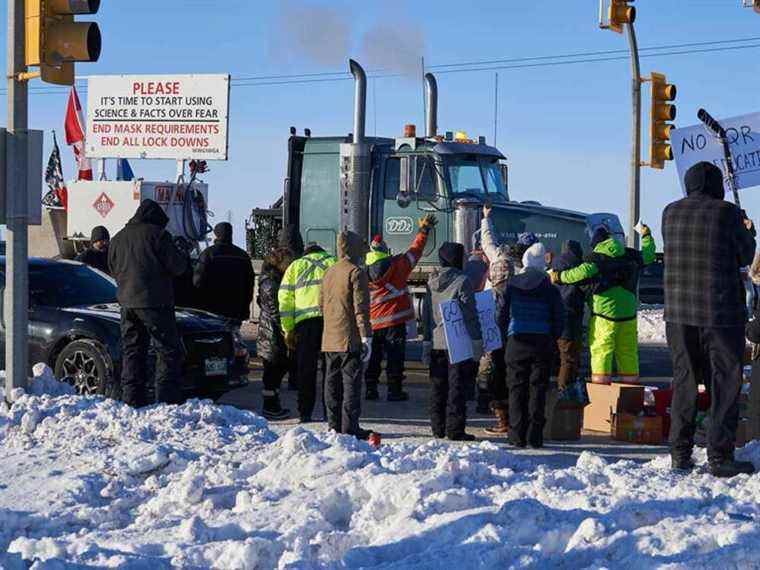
<point>570,342</point>
<point>225,278</point>
<point>270,344</point>
<point>707,240</point>
<point>96,256</point>
<point>753,335</point>
<point>144,262</point>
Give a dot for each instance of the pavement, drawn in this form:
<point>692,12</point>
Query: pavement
<point>408,422</point>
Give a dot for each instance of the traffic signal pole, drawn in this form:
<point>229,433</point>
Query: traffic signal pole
<point>16,302</point>
<point>634,190</point>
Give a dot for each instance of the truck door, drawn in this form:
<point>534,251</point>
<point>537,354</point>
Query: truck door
<point>401,212</point>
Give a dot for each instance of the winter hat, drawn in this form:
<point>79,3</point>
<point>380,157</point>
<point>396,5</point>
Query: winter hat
<point>99,233</point>
<point>527,239</point>
<point>572,247</point>
<point>451,254</point>
<point>535,257</point>
<point>223,232</point>
<point>705,177</point>
<point>378,244</point>
<point>600,234</point>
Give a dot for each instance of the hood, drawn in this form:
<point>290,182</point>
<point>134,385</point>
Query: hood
<point>535,257</point>
<point>290,238</point>
<point>375,256</point>
<point>610,247</point>
<point>451,254</point>
<point>149,212</point>
<point>705,178</point>
<point>351,246</point>
<point>443,279</point>
<point>313,248</point>
<point>531,278</point>
<point>188,320</point>
<point>223,232</point>
<point>571,256</point>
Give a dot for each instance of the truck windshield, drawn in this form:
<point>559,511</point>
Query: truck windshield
<point>476,176</point>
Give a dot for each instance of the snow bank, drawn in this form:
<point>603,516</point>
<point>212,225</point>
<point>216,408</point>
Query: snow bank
<point>91,481</point>
<point>651,325</point>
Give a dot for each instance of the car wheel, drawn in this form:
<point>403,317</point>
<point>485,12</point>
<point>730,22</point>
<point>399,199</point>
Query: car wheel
<point>84,364</point>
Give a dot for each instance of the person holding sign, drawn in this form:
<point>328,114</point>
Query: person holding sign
<point>450,306</point>
<point>535,317</point>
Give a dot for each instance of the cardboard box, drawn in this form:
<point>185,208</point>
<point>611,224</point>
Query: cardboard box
<point>608,400</point>
<point>637,429</point>
<point>563,419</point>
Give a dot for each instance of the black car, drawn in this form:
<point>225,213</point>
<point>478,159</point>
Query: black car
<point>74,328</point>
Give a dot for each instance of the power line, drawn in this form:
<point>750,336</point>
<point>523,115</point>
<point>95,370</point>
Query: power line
<point>467,67</point>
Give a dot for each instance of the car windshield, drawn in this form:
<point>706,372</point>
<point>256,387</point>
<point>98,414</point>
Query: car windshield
<point>467,176</point>
<point>69,285</point>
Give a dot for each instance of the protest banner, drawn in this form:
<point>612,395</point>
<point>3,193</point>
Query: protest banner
<point>486,304</point>
<point>458,341</point>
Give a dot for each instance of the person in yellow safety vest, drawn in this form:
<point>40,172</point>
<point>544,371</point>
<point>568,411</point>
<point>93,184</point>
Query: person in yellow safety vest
<point>613,271</point>
<point>301,321</point>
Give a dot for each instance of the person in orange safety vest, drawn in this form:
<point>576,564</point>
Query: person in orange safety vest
<point>390,309</point>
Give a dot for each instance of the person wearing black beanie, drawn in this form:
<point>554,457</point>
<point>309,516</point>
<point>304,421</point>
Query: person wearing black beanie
<point>96,256</point>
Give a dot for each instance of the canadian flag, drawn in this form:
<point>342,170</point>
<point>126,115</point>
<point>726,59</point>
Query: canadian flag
<point>75,134</point>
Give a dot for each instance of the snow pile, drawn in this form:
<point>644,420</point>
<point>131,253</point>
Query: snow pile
<point>651,326</point>
<point>93,482</point>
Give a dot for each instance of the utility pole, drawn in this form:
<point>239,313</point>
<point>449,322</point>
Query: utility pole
<point>634,189</point>
<point>495,107</point>
<point>16,208</point>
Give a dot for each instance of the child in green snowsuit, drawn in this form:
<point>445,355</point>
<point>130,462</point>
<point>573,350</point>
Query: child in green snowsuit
<point>613,270</point>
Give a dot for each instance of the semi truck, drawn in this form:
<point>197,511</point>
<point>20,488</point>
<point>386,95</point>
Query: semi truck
<point>383,185</point>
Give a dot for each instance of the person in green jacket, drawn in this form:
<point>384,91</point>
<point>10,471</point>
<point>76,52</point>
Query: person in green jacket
<point>613,272</point>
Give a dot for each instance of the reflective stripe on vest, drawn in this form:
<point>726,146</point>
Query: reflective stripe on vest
<point>403,315</point>
<point>389,292</point>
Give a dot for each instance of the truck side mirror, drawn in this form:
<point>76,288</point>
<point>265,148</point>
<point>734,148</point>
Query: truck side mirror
<point>408,171</point>
<point>504,168</point>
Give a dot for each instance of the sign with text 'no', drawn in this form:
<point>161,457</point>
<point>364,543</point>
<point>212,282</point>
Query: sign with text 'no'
<point>696,144</point>
<point>158,116</point>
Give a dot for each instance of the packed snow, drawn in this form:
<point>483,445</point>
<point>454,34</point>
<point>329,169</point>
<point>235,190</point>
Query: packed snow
<point>90,481</point>
<point>651,325</point>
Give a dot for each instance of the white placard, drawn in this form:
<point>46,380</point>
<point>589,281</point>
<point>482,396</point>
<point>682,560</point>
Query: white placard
<point>486,304</point>
<point>696,144</point>
<point>458,341</point>
<point>158,116</point>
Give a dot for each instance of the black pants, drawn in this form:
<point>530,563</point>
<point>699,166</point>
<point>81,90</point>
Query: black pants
<point>274,371</point>
<point>715,356</point>
<point>528,360</point>
<point>343,387</point>
<point>390,342</point>
<point>308,358</point>
<point>448,405</point>
<point>138,328</point>
<point>498,386</point>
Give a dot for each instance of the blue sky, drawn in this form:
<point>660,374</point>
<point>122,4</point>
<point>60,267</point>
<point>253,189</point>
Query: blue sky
<point>565,129</point>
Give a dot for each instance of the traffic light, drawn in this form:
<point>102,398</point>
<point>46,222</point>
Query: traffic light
<point>54,41</point>
<point>621,13</point>
<point>662,112</point>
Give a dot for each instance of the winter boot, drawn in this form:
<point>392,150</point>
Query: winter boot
<point>502,420</point>
<point>272,409</point>
<point>372,393</point>
<point>464,436</point>
<point>681,462</point>
<point>395,393</point>
<point>731,468</point>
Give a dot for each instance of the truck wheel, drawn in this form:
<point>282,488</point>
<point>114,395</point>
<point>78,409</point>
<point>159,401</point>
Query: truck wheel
<point>86,365</point>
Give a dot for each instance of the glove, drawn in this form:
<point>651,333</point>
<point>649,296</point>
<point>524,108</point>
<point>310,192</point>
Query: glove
<point>366,349</point>
<point>427,222</point>
<point>477,350</point>
<point>487,210</point>
<point>290,340</point>
<point>427,346</point>
<point>645,230</point>
<point>555,277</point>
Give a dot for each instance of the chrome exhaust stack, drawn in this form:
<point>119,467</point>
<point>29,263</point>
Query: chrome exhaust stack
<point>431,99</point>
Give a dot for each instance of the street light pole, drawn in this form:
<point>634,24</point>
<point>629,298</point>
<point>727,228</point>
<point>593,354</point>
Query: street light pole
<point>16,206</point>
<point>634,190</point>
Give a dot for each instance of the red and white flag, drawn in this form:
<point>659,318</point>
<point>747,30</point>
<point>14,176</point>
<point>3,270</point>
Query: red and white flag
<point>75,134</point>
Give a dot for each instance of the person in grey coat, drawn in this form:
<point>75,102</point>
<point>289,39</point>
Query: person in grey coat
<point>448,416</point>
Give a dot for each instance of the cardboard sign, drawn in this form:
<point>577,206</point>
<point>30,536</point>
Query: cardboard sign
<point>486,304</point>
<point>458,341</point>
<point>696,144</point>
<point>158,116</point>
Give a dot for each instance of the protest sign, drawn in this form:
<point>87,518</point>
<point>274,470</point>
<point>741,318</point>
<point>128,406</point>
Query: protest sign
<point>458,341</point>
<point>696,144</point>
<point>158,116</point>
<point>487,315</point>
